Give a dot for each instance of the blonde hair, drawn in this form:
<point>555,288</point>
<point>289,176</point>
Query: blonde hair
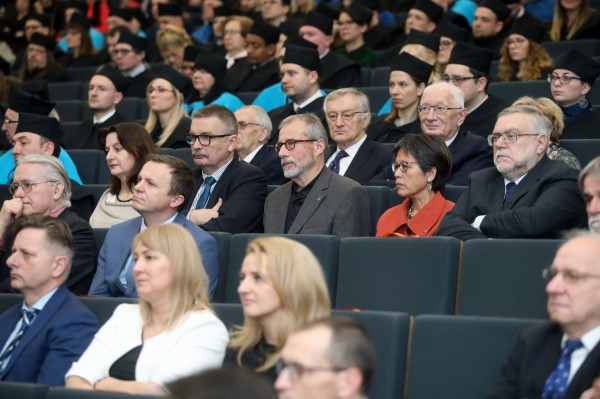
<point>178,113</point>
<point>310,6</point>
<point>560,20</point>
<point>297,277</point>
<point>172,36</point>
<point>549,109</point>
<point>538,60</point>
<point>190,283</point>
<point>427,55</point>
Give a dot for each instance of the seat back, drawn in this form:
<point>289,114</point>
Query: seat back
<point>510,91</point>
<point>223,242</point>
<point>378,95</point>
<point>366,75</point>
<point>7,301</point>
<point>186,155</point>
<point>61,91</point>
<point>458,357</point>
<point>584,149</point>
<point>453,193</point>
<point>381,76</point>
<point>68,393</point>
<point>589,47</point>
<point>503,278</point>
<point>379,202</point>
<point>88,163</point>
<point>71,110</point>
<point>22,390</point>
<point>412,275</point>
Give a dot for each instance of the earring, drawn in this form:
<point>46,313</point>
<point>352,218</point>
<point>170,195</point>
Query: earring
<point>584,103</point>
<point>429,185</point>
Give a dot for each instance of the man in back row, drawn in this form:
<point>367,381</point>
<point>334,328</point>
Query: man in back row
<point>589,184</point>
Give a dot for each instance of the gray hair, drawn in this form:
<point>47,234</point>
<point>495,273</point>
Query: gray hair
<point>220,112</point>
<point>541,122</point>
<point>314,128</point>
<point>592,168</point>
<point>457,95</point>
<point>262,118</point>
<point>53,171</point>
<point>360,97</point>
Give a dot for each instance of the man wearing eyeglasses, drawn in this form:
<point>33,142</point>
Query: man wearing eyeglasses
<point>254,130</point>
<point>526,195</point>
<point>589,184</point>
<point>330,358</point>
<point>317,200</point>
<point>560,358</point>
<point>230,194</point>
<point>129,55</point>
<point>41,187</point>
<point>468,69</point>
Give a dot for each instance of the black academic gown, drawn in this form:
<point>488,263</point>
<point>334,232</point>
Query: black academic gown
<point>85,135</point>
<point>267,159</point>
<point>583,126</point>
<point>338,71</point>
<point>387,132</point>
<point>483,119</point>
<point>139,84</point>
<point>279,114</point>
<point>248,78</point>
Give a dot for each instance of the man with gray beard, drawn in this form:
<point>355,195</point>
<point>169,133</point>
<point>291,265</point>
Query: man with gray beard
<point>589,184</point>
<point>526,195</point>
<point>316,201</point>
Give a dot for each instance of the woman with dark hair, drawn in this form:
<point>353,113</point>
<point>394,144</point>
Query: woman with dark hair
<point>81,50</point>
<point>408,78</point>
<point>353,23</point>
<point>422,165</point>
<point>126,145</point>
<point>573,20</point>
<point>522,57</point>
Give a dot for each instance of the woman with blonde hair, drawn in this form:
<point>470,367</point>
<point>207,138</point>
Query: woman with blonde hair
<point>281,288</point>
<point>172,41</point>
<point>522,57</point>
<point>574,20</point>
<point>167,122</point>
<point>235,29</point>
<point>172,333</point>
<point>555,115</point>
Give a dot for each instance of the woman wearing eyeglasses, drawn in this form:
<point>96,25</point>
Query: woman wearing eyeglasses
<point>570,83</point>
<point>208,80</point>
<point>281,288</point>
<point>353,22</point>
<point>522,57</point>
<point>235,29</point>
<point>167,122</point>
<point>422,165</point>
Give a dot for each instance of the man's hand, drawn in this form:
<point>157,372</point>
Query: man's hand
<point>593,392</point>
<point>201,216</point>
<point>11,209</point>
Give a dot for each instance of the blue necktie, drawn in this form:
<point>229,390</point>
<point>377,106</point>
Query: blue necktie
<point>334,166</point>
<point>510,187</point>
<point>28,317</point>
<point>203,200</point>
<point>556,384</point>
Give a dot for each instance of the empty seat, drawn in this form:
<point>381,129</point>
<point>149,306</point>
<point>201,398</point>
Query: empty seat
<point>458,357</point>
<point>325,248</point>
<point>504,277</point>
<point>589,47</point>
<point>379,202</point>
<point>71,110</point>
<point>412,275</point>
<point>88,164</point>
<point>510,91</point>
<point>381,76</point>
<point>584,149</point>
<point>60,91</point>
<point>378,95</point>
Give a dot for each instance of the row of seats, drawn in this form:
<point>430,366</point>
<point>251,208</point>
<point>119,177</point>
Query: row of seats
<point>72,112</point>
<point>462,355</point>
<point>431,275</point>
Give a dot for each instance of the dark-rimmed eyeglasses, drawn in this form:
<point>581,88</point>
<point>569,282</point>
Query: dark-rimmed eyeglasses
<point>243,124</point>
<point>438,109</point>
<point>569,276</point>
<point>508,137</point>
<point>401,166</point>
<point>564,80</point>
<point>204,139</point>
<point>291,144</point>
<point>295,371</point>
<point>457,80</point>
<point>26,186</point>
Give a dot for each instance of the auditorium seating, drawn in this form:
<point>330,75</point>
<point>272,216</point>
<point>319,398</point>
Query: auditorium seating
<point>379,202</point>
<point>381,76</point>
<point>587,47</point>
<point>584,149</point>
<point>88,164</point>
<point>22,390</point>
<point>223,244</point>
<point>64,393</point>
<point>510,91</point>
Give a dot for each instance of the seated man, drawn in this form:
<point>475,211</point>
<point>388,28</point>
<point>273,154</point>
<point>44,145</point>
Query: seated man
<point>526,195</point>
<point>41,187</point>
<point>164,188</point>
<point>337,346</point>
<point>128,55</point>
<point>43,335</point>
<point>560,358</point>
<point>316,201</point>
<point>229,193</point>
<point>254,130</point>
<point>589,184</point>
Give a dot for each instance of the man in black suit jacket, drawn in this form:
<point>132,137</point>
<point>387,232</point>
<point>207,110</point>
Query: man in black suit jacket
<point>106,90</point>
<point>254,130</point>
<point>574,310</point>
<point>237,190</point>
<point>526,195</point>
<point>356,155</point>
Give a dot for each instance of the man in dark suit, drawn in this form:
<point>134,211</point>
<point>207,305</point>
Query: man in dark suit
<point>41,187</point>
<point>300,70</point>
<point>105,92</point>
<point>43,335</point>
<point>589,184</point>
<point>560,358</point>
<point>229,193</point>
<point>468,69</point>
<point>489,25</point>
<point>163,190</point>
<point>356,155</point>
<point>129,54</point>
<point>316,201</point>
<point>442,113</point>
<point>526,195</point>
<point>254,130</point>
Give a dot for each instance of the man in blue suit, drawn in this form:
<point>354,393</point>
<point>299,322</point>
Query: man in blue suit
<point>164,187</point>
<point>42,336</point>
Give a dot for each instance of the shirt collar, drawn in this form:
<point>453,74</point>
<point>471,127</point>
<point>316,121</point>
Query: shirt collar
<point>105,117</point>
<point>39,305</point>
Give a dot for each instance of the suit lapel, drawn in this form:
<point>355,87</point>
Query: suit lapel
<point>528,181</point>
<point>314,199</point>
<point>280,208</point>
<point>221,183</point>
<point>362,157</point>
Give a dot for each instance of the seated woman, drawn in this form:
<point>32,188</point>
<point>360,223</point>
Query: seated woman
<point>208,80</point>
<point>235,29</point>
<point>172,41</point>
<point>126,145</point>
<point>555,115</point>
<point>408,77</point>
<point>422,165</point>
<point>81,50</point>
<point>172,333</point>
<point>167,122</point>
<point>353,22</point>
<point>522,57</point>
<point>281,288</point>
<point>574,20</point>
<point>570,82</point>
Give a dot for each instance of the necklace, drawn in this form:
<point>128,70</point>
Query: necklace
<point>410,212</point>
<point>120,200</point>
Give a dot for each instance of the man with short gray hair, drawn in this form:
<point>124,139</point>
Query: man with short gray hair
<point>589,184</point>
<point>316,201</point>
<point>526,195</point>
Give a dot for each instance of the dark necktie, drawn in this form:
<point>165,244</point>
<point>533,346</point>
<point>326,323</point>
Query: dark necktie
<point>335,164</point>
<point>28,317</point>
<point>203,200</point>
<point>556,384</point>
<point>510,187</point>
